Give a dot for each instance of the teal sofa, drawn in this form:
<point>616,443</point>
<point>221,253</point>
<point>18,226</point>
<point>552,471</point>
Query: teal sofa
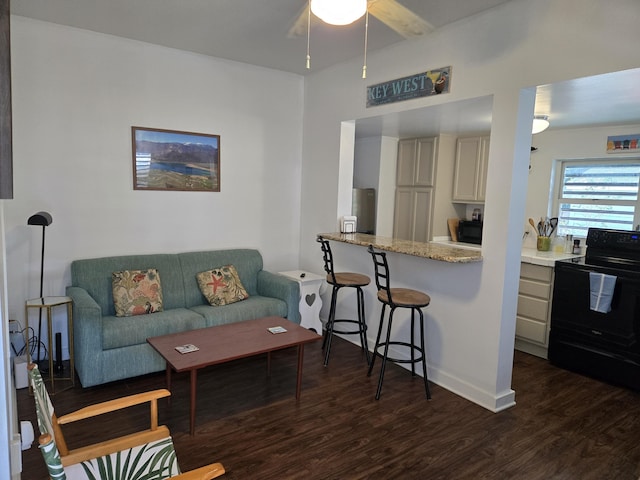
<point>108,348</point>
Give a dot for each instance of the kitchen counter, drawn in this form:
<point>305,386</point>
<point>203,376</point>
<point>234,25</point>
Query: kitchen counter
<point>451,243</point>
<point>529,255</point>
<point>546,259</point>
<point>431,250</point>
<point>443,250</point>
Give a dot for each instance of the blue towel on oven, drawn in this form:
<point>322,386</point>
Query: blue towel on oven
<point>602,287</point>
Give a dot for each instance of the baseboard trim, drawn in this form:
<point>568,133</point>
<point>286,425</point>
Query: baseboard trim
<point>492,402</point>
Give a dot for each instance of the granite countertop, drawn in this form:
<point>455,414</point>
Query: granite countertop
<point>433,251</point>
<point>445,251</point>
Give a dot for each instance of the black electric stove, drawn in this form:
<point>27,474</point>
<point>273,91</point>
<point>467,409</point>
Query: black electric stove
<point>602,345</point>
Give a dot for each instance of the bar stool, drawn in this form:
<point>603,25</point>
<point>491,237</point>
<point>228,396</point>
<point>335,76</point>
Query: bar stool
<point>340,280</point>
<point>398,298</point>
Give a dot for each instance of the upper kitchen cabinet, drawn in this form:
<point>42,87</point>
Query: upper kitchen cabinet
<point>470,169</point>
<point>416,162</point>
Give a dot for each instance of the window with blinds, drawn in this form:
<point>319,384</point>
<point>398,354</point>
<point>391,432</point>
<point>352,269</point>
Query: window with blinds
<point>598,194</point>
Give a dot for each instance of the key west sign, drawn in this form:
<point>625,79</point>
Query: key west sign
<point>424,84</point>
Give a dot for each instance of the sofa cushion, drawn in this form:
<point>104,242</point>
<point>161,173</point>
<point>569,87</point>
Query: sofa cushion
<point>221,286</point>
<point>246,261</point>
<point>94,275</point>
<point>253,307</point>
<point>136,292</point>
<point>124,331</point>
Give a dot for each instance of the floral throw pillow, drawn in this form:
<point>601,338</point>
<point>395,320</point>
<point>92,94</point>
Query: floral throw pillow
<point>221,286</point>
<point>136,292</point>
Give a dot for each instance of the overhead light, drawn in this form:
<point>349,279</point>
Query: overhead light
<point>540,124</point>
<point>339,12</point>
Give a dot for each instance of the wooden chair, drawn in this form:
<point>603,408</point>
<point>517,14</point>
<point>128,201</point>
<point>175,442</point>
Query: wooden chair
<point>145,454</point>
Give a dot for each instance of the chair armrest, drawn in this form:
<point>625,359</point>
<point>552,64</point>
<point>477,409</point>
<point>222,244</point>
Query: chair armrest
<point>114,405</point>
<point>279,286</point>
<point>203,473</point>
<point>87,333</point>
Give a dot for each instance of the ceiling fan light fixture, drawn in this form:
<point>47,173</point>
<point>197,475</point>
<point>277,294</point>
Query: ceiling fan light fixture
<point>339,12</point>
<point>540,124</point>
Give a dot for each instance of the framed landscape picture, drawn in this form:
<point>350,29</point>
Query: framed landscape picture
<point>172,160</point>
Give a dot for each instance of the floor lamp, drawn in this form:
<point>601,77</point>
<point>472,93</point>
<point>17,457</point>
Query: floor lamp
<point>41,219</point>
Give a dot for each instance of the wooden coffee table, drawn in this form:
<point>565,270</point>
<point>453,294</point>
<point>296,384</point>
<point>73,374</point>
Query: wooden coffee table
<point>229,342</point>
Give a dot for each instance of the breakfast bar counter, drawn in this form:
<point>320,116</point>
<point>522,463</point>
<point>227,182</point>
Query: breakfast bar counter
<point>465,313</point>
<point>433,251</point>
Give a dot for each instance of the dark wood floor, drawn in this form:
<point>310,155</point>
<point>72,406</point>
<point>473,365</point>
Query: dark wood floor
<point>564,426</point>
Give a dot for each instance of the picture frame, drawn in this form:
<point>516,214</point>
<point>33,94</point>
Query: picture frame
<point>623,143</point>
<point>175,160</point>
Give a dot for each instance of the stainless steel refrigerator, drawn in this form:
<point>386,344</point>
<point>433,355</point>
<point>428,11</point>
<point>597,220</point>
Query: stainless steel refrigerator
<point>363,206</point>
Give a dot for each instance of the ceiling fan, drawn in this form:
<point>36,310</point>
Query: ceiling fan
<point>390,12</point>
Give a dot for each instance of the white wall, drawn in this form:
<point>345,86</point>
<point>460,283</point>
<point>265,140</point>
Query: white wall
<point>503,52</point>
<point>366,162</point>
<point>564,144</point>
<point>76,95</point>
<point>385,201</point>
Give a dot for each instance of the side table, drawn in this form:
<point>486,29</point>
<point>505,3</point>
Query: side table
<point>48,304</point>
<point>310,301</point>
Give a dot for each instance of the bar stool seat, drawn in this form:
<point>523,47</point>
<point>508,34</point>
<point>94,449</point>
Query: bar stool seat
<point>340,280</point>
<point>349,279</point>
<point>405,298</point>
<point>398,298</point>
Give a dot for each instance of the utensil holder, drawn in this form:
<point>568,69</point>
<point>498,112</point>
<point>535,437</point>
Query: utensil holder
<point>544,244</point>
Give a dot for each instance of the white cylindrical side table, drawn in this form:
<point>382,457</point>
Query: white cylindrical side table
<point>310,301</point>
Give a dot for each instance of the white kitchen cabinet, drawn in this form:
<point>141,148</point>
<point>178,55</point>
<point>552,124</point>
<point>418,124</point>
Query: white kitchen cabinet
<point>470,169</point>
<point>413,211</point>
<point>534,309</point>
<point>416,162</point>
<point>415,177</point>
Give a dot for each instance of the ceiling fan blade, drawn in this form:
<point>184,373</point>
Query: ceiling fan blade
<point>299,27</point>
<point>399,18</point>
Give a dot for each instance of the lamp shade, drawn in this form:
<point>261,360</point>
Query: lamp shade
<point>339,12</point>
<point>540,124</point>
<point>41,218</point>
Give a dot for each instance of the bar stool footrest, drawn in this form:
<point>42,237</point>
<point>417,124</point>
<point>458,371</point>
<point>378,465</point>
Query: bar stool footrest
<point>361,328</point>
<point>400,360</point>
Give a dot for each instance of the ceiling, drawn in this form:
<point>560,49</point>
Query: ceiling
<point>248,31</point>
<point>256,32</point>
